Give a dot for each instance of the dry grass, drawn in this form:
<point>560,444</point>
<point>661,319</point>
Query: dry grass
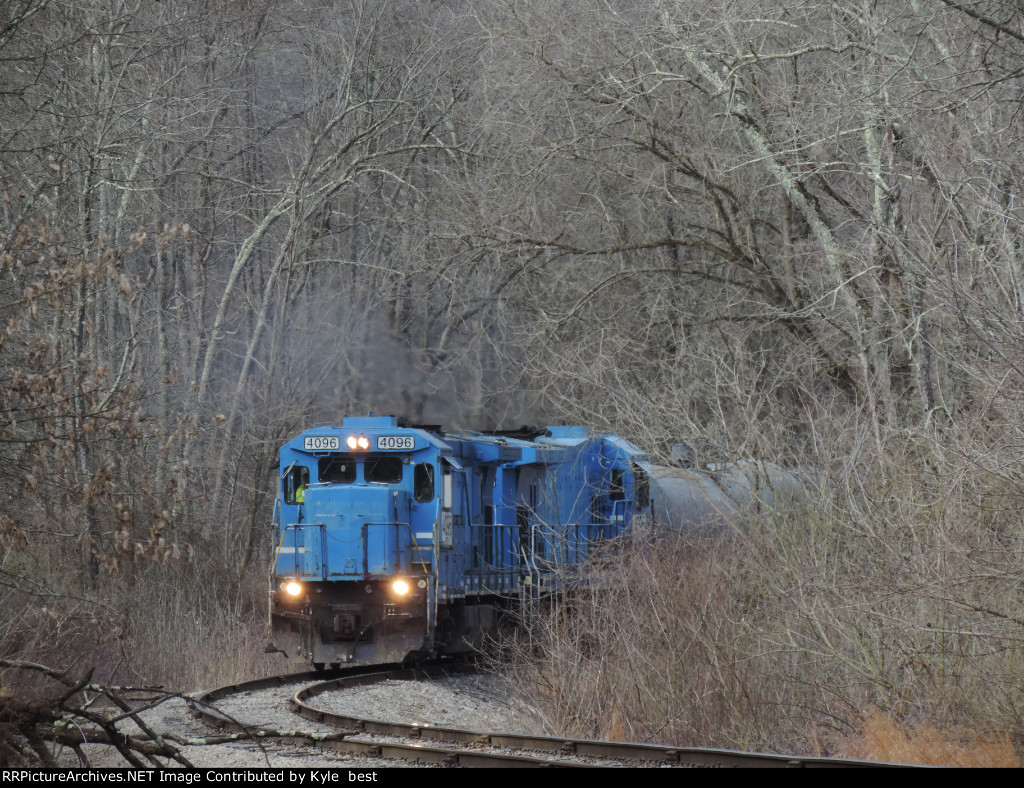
<point>193,631</point>
<point>901,595</point>
<point>182,626</point>
<point>634,655</point>
<point>882,739</point>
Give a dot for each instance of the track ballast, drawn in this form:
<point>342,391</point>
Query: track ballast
<point>447,746</point>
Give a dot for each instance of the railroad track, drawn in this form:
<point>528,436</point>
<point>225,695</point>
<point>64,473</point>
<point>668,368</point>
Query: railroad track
<point>427,744</point>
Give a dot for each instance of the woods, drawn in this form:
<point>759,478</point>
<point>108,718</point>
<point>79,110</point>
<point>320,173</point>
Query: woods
<point>785,233</point>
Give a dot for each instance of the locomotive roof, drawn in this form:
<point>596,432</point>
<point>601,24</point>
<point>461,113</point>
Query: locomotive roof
<point>543,440</point>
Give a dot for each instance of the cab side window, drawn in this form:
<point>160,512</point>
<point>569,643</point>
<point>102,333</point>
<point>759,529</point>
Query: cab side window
<point>617,486</point>
<point>295,483</point>
<point>423,482</point>
<point>643,486</point>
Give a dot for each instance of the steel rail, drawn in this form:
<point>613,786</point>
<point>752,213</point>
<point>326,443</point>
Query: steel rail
<point>470,745</point>
<point>349,742</point>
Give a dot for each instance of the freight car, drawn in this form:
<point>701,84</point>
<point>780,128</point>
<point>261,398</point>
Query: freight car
<point>396,540</point>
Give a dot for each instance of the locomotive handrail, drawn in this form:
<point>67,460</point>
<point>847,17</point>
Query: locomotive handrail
<point>295,544</point>
<point>416,549</point>
<point>577,537</point>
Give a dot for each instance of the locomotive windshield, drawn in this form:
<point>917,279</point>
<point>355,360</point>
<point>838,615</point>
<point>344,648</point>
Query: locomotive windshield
<point>343,469</point>
<point>386,469</point>
<point>337,469</point>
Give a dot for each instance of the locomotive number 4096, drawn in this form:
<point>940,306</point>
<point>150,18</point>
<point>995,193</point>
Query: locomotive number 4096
<point>321,443</point>
<point>396,442</point>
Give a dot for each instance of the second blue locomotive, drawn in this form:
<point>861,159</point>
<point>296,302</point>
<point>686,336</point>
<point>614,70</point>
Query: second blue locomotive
<point>396,540</point>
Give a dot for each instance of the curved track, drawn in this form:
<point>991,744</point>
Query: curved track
<point>427,744</point>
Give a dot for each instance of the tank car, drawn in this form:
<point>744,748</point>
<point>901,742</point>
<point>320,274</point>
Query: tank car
<point>396,540</point>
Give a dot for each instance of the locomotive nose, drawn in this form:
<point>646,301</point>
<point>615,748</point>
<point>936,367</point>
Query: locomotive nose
<point>365,529</point>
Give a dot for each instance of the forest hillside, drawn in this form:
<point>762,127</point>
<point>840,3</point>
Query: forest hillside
<point>792,233</point>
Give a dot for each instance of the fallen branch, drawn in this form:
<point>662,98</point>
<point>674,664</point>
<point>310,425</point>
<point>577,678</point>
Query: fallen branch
<point>67,716</point>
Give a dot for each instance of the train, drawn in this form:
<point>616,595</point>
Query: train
<point>398,542</point>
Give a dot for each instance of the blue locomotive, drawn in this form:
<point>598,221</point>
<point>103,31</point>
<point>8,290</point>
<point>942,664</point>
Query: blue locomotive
<point>395,540</point>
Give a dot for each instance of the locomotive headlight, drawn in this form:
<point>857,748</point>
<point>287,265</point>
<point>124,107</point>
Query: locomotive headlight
<point>351,441</point>
<point>364,442</point>
<point>400,587</point>
<point>292,588</point>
